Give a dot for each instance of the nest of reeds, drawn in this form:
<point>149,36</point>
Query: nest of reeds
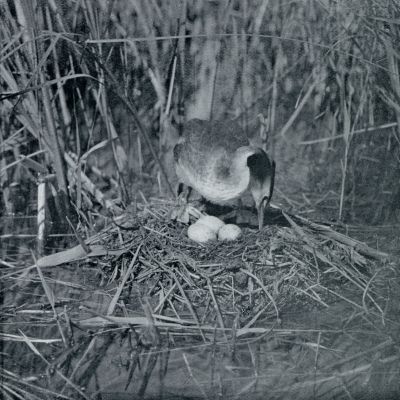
<point>142,303</point>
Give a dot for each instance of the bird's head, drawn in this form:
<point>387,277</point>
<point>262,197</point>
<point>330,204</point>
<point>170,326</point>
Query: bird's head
<point>262,175</point>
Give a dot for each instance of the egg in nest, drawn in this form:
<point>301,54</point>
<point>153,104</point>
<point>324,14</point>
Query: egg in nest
<point>229,232</point>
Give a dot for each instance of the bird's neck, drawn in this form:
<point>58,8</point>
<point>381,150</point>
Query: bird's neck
<point>239,162</point>
<point>240,173</point>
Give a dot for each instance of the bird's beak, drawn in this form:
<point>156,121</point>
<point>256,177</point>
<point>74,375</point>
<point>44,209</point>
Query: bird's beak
<point>260,211</point>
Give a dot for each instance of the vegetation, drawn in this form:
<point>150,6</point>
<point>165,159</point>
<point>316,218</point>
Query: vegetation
<point>93,96</point>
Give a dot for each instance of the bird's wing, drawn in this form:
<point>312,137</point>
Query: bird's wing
<point>213,136</point>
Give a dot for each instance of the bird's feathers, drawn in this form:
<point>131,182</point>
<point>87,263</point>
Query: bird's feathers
<point>204,135</point>
<point>259,165</point>
<point>217,160</point>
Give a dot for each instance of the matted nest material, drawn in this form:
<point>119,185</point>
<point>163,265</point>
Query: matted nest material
<point>235,288</point>
<point>144,293</point>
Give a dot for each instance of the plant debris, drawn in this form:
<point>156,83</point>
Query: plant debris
<point>145,286</point>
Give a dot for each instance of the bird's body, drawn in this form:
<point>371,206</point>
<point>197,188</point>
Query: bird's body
<point>217,160</point>
<point>204,162</point>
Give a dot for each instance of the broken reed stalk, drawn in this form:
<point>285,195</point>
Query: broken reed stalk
<point>83,179</point>
<point>41,216</point>
<point>189,307</point>
<point>35,350</point>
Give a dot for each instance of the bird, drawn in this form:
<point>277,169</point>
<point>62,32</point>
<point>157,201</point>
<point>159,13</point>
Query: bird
<point>216,159</point>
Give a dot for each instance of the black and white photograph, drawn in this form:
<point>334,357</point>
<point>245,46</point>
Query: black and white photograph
<point>199,199</point>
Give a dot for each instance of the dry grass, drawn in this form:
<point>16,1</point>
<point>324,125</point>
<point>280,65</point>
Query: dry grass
<point>92,98</point>
<point>105,83</point>
<point>294,309</point>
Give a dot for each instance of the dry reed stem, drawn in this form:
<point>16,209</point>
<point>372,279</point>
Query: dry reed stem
<point>66,379</point>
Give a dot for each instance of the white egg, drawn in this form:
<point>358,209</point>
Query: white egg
<point>214,223</point>
<point>229,232</point>
<point>201,233</point>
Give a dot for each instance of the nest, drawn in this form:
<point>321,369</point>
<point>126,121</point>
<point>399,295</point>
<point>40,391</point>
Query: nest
<point>239,316</point>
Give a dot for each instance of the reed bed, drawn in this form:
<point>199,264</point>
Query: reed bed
<point>104,297</point>
<point>317,82</point>
<point>140,309</point>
